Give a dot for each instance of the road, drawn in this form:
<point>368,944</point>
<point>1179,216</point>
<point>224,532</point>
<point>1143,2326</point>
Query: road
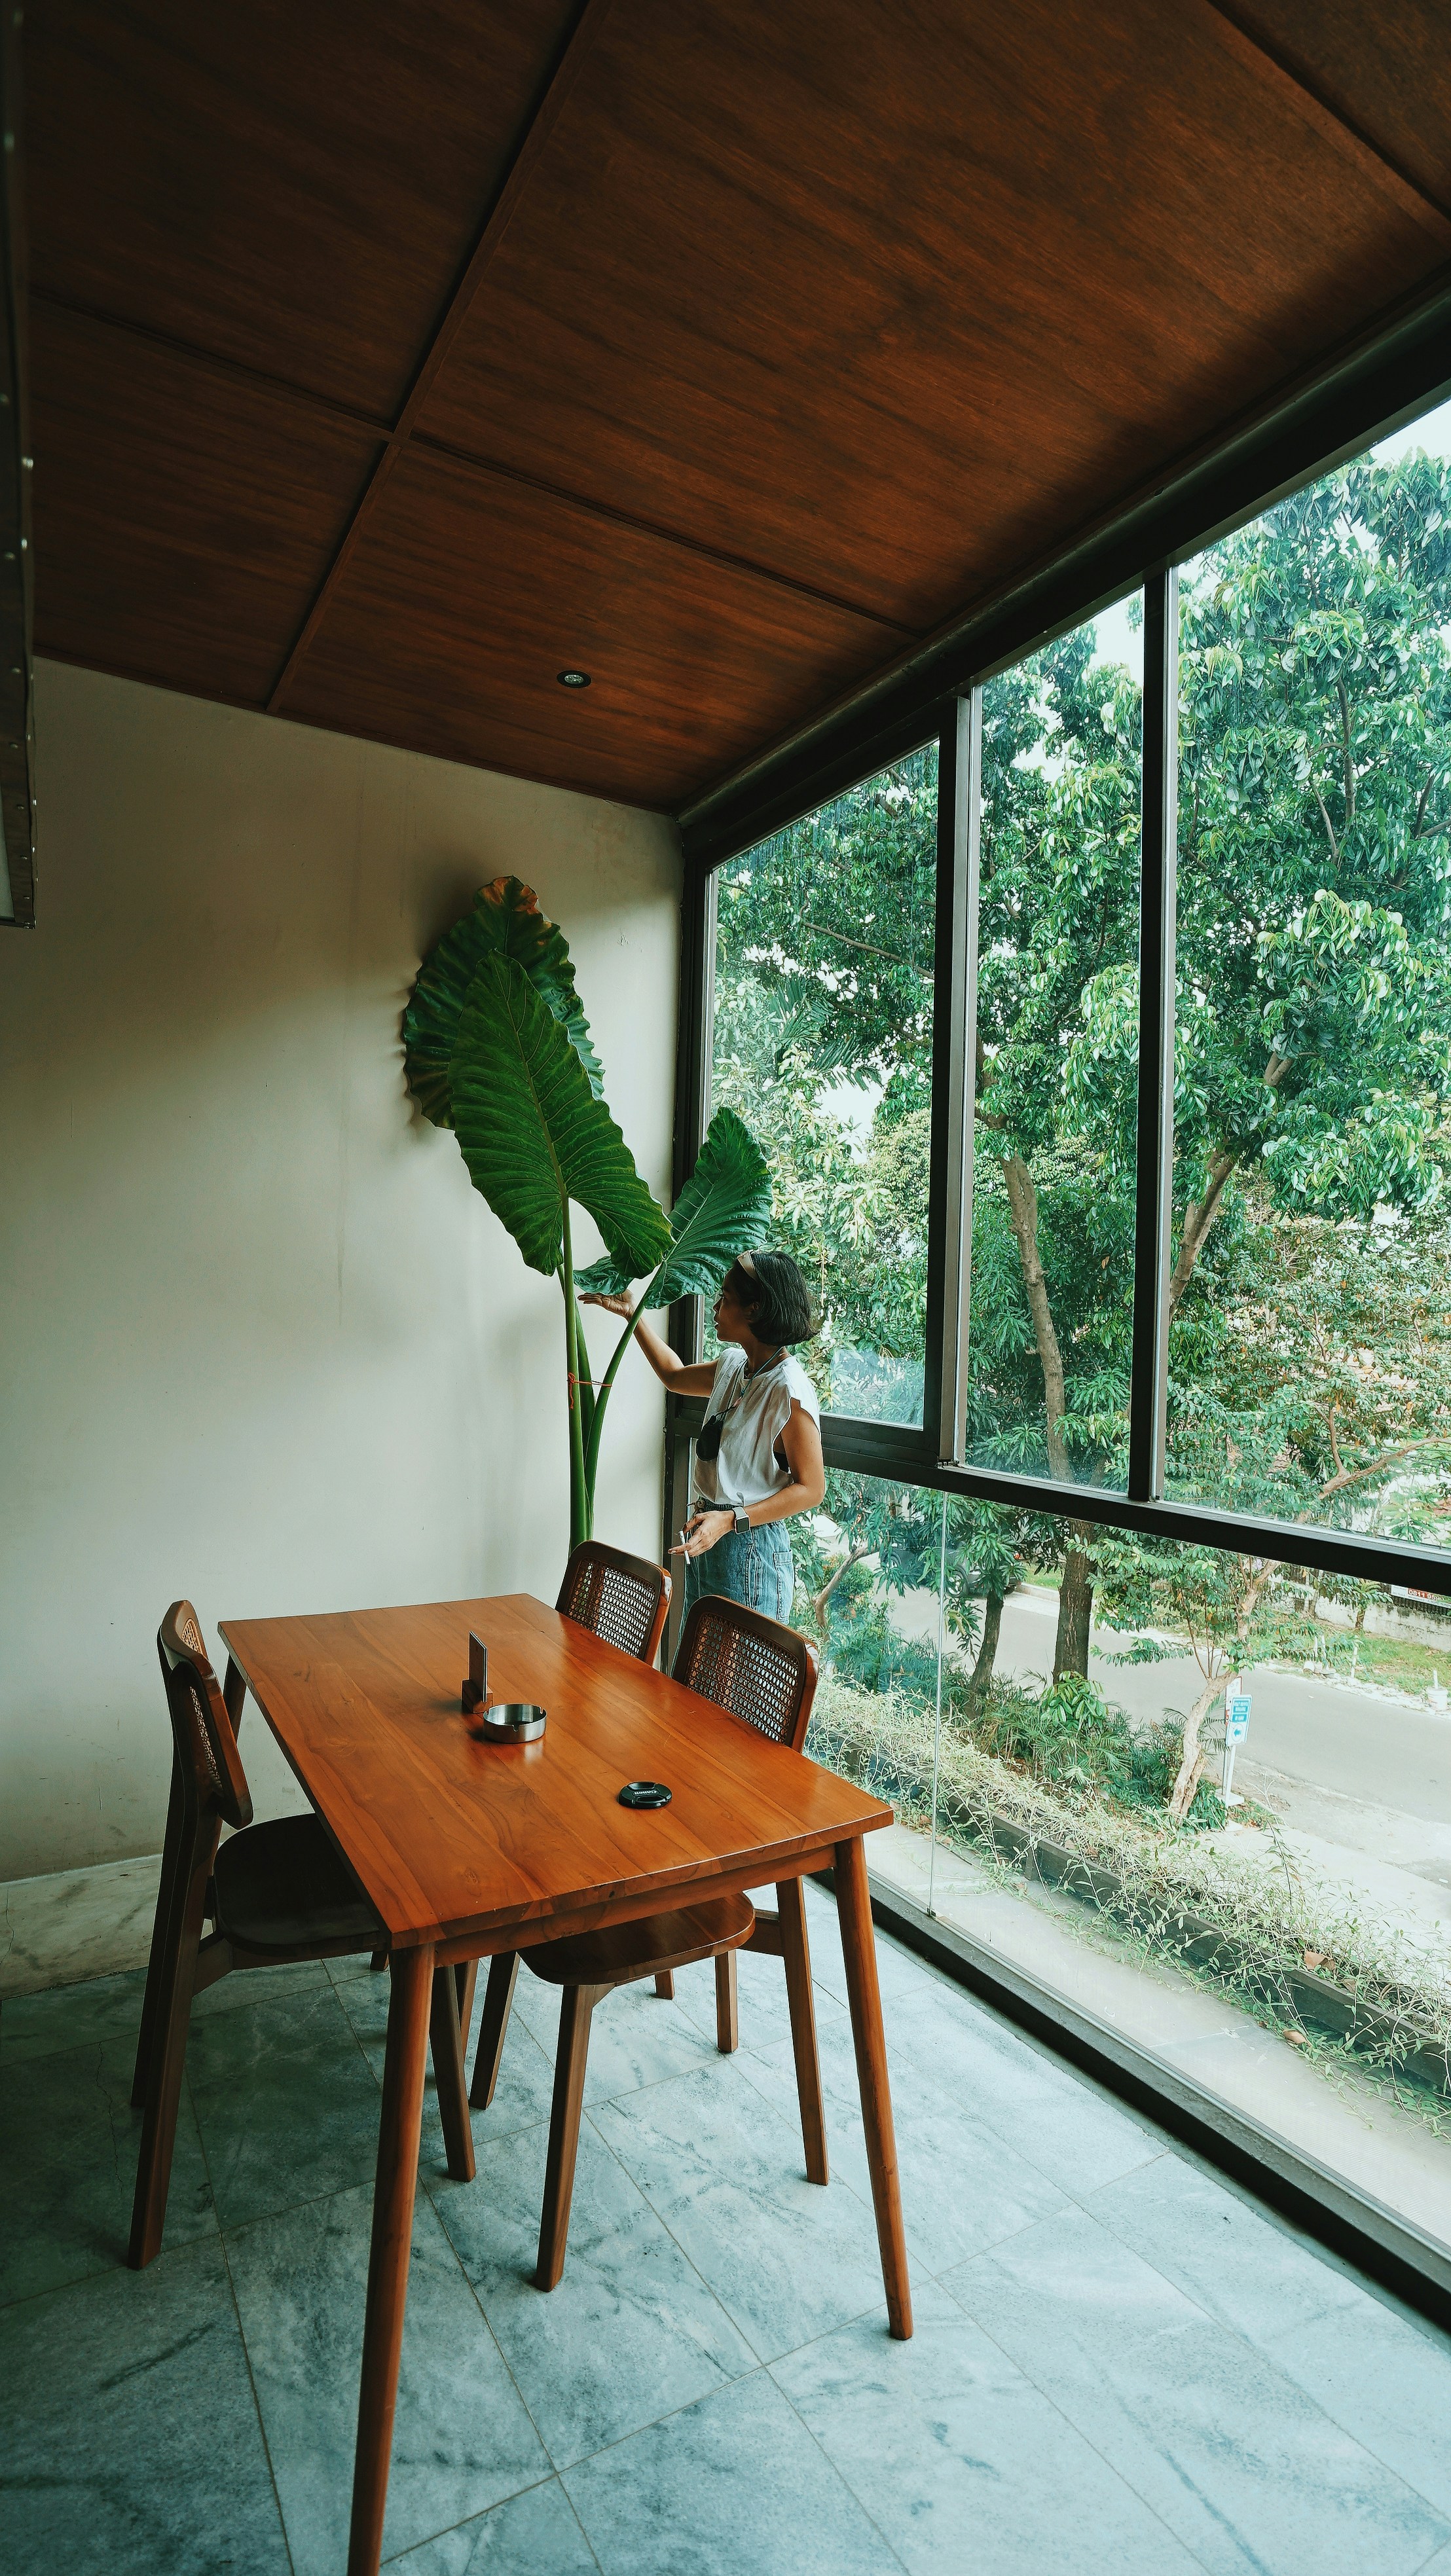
<point>1324,1734</point>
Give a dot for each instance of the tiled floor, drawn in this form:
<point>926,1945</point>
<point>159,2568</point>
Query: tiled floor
<point>1118,2364</point>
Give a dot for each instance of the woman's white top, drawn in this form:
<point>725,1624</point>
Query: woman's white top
<point>745,1469</point>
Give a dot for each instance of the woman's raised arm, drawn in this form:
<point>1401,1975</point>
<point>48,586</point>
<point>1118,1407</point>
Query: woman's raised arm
<point>682,1377</point>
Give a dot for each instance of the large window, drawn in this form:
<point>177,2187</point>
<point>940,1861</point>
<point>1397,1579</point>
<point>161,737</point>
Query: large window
<point>1102,1050</point>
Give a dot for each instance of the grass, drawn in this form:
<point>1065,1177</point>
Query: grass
<point>1393,1663</point>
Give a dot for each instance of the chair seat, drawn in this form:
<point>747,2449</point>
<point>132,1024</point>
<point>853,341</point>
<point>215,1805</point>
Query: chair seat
<point>283,1886</point>
<point>629,1950</point>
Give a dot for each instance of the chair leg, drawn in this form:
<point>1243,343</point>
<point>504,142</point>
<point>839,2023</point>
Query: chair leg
<point>167,2059</point>
<point>665,1985</point>
<point>449,2076</point>
<point>493,2022</point>
<point>576,2008</point>
<point>165,1933</point>
<point>378,1962</point>
<point>791,1905</point>
<point>727,2004</point>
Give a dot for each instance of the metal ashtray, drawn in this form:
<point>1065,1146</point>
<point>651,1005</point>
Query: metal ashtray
<point>512,1721</point>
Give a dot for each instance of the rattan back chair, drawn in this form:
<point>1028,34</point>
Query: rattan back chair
<point>622,1598</point>
<point>765,1675</point>
<point>759,1669</point>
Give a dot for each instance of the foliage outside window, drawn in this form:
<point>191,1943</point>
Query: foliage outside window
<point>825,952</point>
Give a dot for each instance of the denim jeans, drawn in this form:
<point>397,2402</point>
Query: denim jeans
<point>755,1569</point>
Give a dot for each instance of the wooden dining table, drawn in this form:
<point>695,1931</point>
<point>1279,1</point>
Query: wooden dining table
<point>467,1848</point>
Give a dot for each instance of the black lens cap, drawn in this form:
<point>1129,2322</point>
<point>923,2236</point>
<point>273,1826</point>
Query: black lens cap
<point>644,1793</point>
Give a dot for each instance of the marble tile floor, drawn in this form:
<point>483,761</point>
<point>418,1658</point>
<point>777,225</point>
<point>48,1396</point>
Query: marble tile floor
<point>1119,2363</point>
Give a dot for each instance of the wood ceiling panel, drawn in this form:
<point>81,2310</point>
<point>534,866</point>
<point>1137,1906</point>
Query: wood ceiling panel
<point>1387,70</point>
<point>888,307</point>
<point>184,517</point>
<point>293,187</point>
<point>471,591</point>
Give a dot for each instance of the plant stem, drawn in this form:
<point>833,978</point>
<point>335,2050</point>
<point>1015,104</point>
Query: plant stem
<point>581,1495</point>
<point>602,1397</point>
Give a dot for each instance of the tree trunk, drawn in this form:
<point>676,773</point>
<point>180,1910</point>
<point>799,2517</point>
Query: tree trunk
<point>1075,1607</point>
<point>1023,1209</point>
<point>1075,1601</point>
<point>818,1606</point>
<point>1181,1796</point>
<point>987,1652</point>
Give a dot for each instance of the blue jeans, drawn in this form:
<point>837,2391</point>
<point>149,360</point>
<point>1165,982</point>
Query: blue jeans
<point>755,1569</point>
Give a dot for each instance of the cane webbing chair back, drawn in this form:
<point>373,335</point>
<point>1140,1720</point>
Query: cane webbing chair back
<point>209,1767</point>
<point>621,1598</point>
<point>757,1668</point>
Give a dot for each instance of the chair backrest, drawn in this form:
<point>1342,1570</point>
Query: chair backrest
<point>754,1666</point>
<point>208,1763</point>
<point>623,1598</point>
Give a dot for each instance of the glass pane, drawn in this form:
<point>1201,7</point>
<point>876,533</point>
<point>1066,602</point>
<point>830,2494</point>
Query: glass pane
<point>1215,1811</point>
<point>869,1595</point>
<point>1057,1022</point>
<point>823,1043</point>
<point>1310,1343</point>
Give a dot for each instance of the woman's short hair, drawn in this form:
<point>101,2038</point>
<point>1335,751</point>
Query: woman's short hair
<point>771,1288</point>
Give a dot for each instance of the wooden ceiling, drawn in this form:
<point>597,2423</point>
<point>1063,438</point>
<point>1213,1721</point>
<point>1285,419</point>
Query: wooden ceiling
<point>386,363</point>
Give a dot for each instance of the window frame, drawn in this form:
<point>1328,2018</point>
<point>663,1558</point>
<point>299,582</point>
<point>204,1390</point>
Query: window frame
<point>1377,388</point>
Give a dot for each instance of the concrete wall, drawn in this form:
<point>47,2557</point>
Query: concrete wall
<point>263,1344</point>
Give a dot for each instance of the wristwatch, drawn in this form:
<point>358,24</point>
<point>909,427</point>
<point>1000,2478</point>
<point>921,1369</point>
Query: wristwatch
<point>742,1522</point>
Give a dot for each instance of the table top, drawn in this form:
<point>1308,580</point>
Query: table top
<point>450,1836</point>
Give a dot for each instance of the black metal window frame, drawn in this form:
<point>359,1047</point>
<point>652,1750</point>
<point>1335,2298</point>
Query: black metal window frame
<point>937,694</point>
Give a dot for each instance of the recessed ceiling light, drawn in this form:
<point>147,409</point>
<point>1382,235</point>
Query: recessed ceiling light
<point>572,679</point>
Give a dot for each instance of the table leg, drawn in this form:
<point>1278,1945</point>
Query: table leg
<point>859,1951</point>
<point>398,2135</point>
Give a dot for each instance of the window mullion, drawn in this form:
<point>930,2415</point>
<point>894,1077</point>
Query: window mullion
<point>961,801</point>
<point>1155,1133</point>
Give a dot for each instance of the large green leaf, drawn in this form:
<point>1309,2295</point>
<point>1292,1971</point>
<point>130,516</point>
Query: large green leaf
<point>723,1210</point>
<point>505,922</point>
<point>532,1132</point>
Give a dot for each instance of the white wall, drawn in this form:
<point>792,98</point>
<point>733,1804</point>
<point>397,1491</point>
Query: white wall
<point>263,1344</point>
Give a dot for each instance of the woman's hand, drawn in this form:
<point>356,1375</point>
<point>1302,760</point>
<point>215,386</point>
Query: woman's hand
<point>623,1306</point>
<point>700,1535</point>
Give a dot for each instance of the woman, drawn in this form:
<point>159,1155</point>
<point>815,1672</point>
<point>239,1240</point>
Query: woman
<point>758,1457</point>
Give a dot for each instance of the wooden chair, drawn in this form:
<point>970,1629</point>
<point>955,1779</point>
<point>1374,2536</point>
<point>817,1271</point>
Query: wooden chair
<point>765,1675</point>
<point>624,1598</point>
<point>275,1892</point>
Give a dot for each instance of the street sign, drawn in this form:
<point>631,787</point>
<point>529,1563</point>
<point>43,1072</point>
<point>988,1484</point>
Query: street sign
<point>1236,1728</point>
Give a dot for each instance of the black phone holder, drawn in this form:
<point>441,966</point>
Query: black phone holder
<point>476,1684</point>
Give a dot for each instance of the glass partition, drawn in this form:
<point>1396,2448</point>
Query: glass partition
<point>822,1040</point>
<point>1228,1836</point>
